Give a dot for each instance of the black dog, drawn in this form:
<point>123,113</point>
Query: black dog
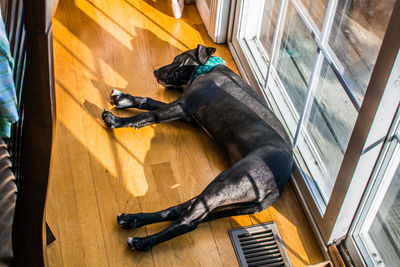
<point>238,118</point>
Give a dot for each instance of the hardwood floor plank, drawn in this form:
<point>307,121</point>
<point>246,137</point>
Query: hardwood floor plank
<point>223,242</point>
<point>53,251</point>
<point>69,234</point>
<point>206,250</point>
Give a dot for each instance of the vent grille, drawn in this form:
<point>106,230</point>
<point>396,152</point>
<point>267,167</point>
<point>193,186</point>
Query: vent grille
<point>259,245</point>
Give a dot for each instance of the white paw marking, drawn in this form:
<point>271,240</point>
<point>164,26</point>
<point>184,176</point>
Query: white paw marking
<point>115,92</point>
<point>124,102</point>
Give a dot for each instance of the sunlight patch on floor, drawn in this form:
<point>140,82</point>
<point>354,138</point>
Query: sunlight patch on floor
<point>113,26</point>
<point>63,40</point>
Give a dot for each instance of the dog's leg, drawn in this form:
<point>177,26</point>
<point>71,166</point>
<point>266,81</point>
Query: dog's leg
<point>196,215</point>
<point>121,100</point>
<point>248,181</point>
<point>170,112</point>
<point>128,221</point>
<point>243,208</point>
<point>136,220</point>
<point>186,223</point>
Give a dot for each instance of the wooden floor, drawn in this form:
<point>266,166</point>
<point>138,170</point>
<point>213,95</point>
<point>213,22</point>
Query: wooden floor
<point>97,172</point>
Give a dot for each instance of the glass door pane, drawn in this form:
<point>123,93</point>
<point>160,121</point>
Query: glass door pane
<point>291,70</point>
<point>326,132</point>
<point>317,9</point>
<point>296,57</point>
<point>268,25</point>
<point>378,231</point>
<point>357,34</point>
<point>385,229</point>
<point>255,31</point>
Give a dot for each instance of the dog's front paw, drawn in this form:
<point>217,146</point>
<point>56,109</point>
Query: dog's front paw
<point>138,243</point>
<point>109,119</point>
<point>115,96</point>
<point>129,221</point>
<point>120,100</point>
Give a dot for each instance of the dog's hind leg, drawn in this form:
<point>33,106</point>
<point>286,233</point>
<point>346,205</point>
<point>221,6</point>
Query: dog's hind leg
<point>198,214</point>
<point>121,100</point>
<point>135,220</point>
<point>243,208</point>
<point>128,221</point>
<point>247,181</point>
<point>186,223</point>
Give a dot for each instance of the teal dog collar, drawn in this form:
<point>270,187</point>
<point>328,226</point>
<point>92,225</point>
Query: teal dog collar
<point>210,64</point>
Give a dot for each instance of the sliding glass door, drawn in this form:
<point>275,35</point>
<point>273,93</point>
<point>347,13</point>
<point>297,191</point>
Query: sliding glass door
<point>312,61</point>
<point>376,231</point>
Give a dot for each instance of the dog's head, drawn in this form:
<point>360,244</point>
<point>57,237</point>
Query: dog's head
<point>180,72</point>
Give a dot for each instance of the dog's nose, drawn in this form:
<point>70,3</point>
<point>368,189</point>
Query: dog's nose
<point>156,72</point>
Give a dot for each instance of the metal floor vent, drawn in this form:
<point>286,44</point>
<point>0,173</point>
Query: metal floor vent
<point>259,245</point>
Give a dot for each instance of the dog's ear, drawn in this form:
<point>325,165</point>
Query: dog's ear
<point>204,53</point>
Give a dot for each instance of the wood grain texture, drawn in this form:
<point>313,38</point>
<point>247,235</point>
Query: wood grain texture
<point>334,253</point>
<point>98,172</point>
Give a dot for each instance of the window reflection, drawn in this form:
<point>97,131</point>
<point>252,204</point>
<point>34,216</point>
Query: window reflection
<point>297,54</point>
<point>329,126</point>
<point>268,24</point>
<point>356,36</point>
<point>385,229</point>
<point>317,9</point>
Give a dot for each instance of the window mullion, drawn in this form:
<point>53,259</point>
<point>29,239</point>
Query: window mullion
<point>326,29</point>
<point>328,22</point>
<point>309,96</point>
<point>308,21</point>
